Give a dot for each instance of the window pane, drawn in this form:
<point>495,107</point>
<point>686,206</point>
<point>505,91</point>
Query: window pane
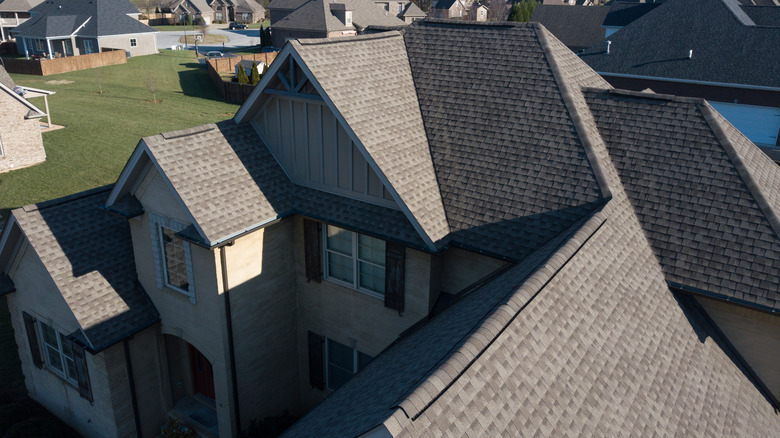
<point>363,360</point>
<point>175,259</point>
<point>70,368</point>
<point>371,249</point>
<point>340,267</point>
<point>54,359</point>
<point>49,335</point>
<point>372,277</point>
<point>339,240</point>
<point>339,354</point>
<point>337,377</point>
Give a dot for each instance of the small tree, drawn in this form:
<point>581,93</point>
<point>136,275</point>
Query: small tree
<point>242,79</point>
<point>255,74</point>
<point>151,84</point>
<point>497,10</point>
<point>99,80</point>
<point>522,11</point>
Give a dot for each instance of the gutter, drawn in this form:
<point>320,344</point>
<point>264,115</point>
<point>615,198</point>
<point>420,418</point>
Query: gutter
<point>231,347</point>
<point>131,382</point>
<point>690,81</point>
<point>677,287</point>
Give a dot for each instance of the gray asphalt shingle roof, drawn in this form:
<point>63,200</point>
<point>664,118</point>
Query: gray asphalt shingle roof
<point>89,255</point>
<point>18,5</point>
<point>575,26</point>
<point>726,47</point>
<point>90,18</point>
<point>317,15</point>
<point>624,13</point>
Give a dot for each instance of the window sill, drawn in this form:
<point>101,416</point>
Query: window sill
<point>352,287</point>
<point>60,377</point>
<point>172,290</point>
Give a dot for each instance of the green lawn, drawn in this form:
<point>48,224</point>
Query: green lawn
<point>101,130</point>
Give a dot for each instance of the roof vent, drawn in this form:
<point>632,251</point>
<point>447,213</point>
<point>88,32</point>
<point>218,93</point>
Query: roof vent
<point>690,54</point>
<point>609,43</point>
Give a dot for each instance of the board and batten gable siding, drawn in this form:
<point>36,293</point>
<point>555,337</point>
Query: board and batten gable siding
<point>37,295</point>
<point>315,150</point>
<point>201,323</point>
<point>755,335</point>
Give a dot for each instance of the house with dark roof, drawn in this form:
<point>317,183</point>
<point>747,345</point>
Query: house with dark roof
<point>403,9</point>
<point>243,11</point>
<point>14,13</point>
<point>194,9</point>
<point>713,49</point>
<point>79,27</point>
<point>579,27</point>
<point>623,13</point>
<point>21,144</point>
<point>578,260</point>
<point>328,19</point>
<point>455,9</point>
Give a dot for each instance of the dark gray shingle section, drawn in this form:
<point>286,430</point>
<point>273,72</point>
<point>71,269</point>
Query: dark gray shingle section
<point>98,17</point>
<point>697,193</point>
<point>624,13</point>
<point>89,255</point>
<point>724,48</point>
<point>763,15</point>
<point>575,26</point>
<point>230,182</point>
<point>507,155</point>
<point>18,5</point>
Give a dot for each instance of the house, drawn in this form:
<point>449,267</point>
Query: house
<point>14,13</point>
<point>243,11</point>
<point>247,64</point>
<point>478,12</point>
<point>21,144</point>
<point>193,9</point>
<point>79,27</point>
<point>325,19</point>
<point>579,27</point>
<point>451,9</point>
<point>576,260</point>
<point>697,48</point>
<point>405,10</point>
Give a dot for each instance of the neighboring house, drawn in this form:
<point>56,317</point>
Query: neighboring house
<point>326,19</point>
<point>532,272</point>
<point>14,13</point>
<point>478,12</point>
<point>279,9</point>
<point>243,11</point>
<point>412,13</point>
<point>457,9</point>
<point>713,49</point>
<point>578,27</point>
<point>21,144</point>
<point>189,8</point>
<point>79,27</point>
<point>405,10</point>
<point>623,13</point>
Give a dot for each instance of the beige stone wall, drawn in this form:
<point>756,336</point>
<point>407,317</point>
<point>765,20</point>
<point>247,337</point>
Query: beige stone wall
<point>756,335</point>
<point>352,317</point>
<point>263,306</point>
<point>202,323</point>
<point>462,268</point>
<point>146,43</point>
<point>37,295</point>
<point>145,356</point>
<point>21,144</point>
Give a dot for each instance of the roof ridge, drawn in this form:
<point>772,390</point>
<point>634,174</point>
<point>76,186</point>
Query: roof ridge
<point>744,171</point>
<point>547,262</point>
<point>650,96</point>
<point>464,23</point>
<point>170,135</point>
<point>364,37</point>
<point>65,199</point>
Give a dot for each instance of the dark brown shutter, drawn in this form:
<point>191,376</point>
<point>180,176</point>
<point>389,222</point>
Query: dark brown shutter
<point>32,338</point>
<point>81,370</point>
<point>394,276</point>
<point>312,248</point>
<point>316,360</point>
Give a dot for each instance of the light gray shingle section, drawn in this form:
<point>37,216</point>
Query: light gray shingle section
<point>380,106</point>
<point>316,15</point>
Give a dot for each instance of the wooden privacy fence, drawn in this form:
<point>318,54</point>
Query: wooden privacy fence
<point>45,67</point>
<point>233,91</point>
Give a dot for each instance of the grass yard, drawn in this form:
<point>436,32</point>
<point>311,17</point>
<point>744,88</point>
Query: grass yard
<point>101,130</point>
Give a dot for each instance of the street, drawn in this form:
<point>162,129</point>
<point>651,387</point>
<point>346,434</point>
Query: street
<point>235,38</point>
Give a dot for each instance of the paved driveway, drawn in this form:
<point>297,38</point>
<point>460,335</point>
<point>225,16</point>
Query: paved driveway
<point>235,38</point>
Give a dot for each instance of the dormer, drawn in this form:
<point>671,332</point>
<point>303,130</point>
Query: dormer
<point>342,13</point>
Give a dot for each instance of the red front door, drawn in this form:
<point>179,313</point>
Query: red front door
<point>202,374</point>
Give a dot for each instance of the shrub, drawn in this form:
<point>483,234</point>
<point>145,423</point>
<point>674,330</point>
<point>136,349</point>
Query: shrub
<point>242,79</point>
<point>255,74</point>
<point>175,429</point>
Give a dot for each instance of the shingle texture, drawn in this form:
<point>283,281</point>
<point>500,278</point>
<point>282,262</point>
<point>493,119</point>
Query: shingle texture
<point>727,48</point>
<point>575,26</point>
<point>697,195</point>
<point>624,13</point>
<point>89,18</point>
<point>89,255</point>
<point>230,183</point>
<point>18,5</point>
<point>507,157</point>
<point>375,103</point>
<point>316,15</point>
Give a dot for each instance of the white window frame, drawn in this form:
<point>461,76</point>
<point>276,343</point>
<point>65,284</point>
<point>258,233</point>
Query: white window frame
<point>133,42</point>
<point>355,284</point>
<point>355,362</point>
<point>2,153</point>
<point>156,225</point>
<point>64,358</point>
<point>400,7</point>
<point>88,47</point>
<point>348,18</point>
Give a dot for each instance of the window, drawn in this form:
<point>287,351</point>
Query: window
<point>173,258</point>
<point>245,16</point>
<point>40,45</point>
<point>219,16</point>
<point>133,42</point>
<point>2,154</point>
<point>58,352</point>
<point>386,6</point>
<point>88,46</point>
<point>400,8</point>
<point>355,259</point>
<point>348,17</point>
<point>342,363</point>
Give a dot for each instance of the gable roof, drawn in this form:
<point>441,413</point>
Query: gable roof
<point>317,15</point>
<point>89,255</point>
<point>576,26</point>
<point>706,218</point>
<point>286,4</point>
<point>18,5</point>
<point>624,13</point>
<point>93,18</point>
<point>412,10</point>
<point>718,32</point>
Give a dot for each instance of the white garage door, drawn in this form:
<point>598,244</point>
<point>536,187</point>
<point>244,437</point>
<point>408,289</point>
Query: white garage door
<point>759,123</point>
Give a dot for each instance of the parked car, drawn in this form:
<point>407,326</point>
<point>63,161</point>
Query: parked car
<point>234,26</point>
<point>215,54</point>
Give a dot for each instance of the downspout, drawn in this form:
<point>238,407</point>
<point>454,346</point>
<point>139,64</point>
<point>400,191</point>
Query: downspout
<point>231,348</point>
<point>131,380</point>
